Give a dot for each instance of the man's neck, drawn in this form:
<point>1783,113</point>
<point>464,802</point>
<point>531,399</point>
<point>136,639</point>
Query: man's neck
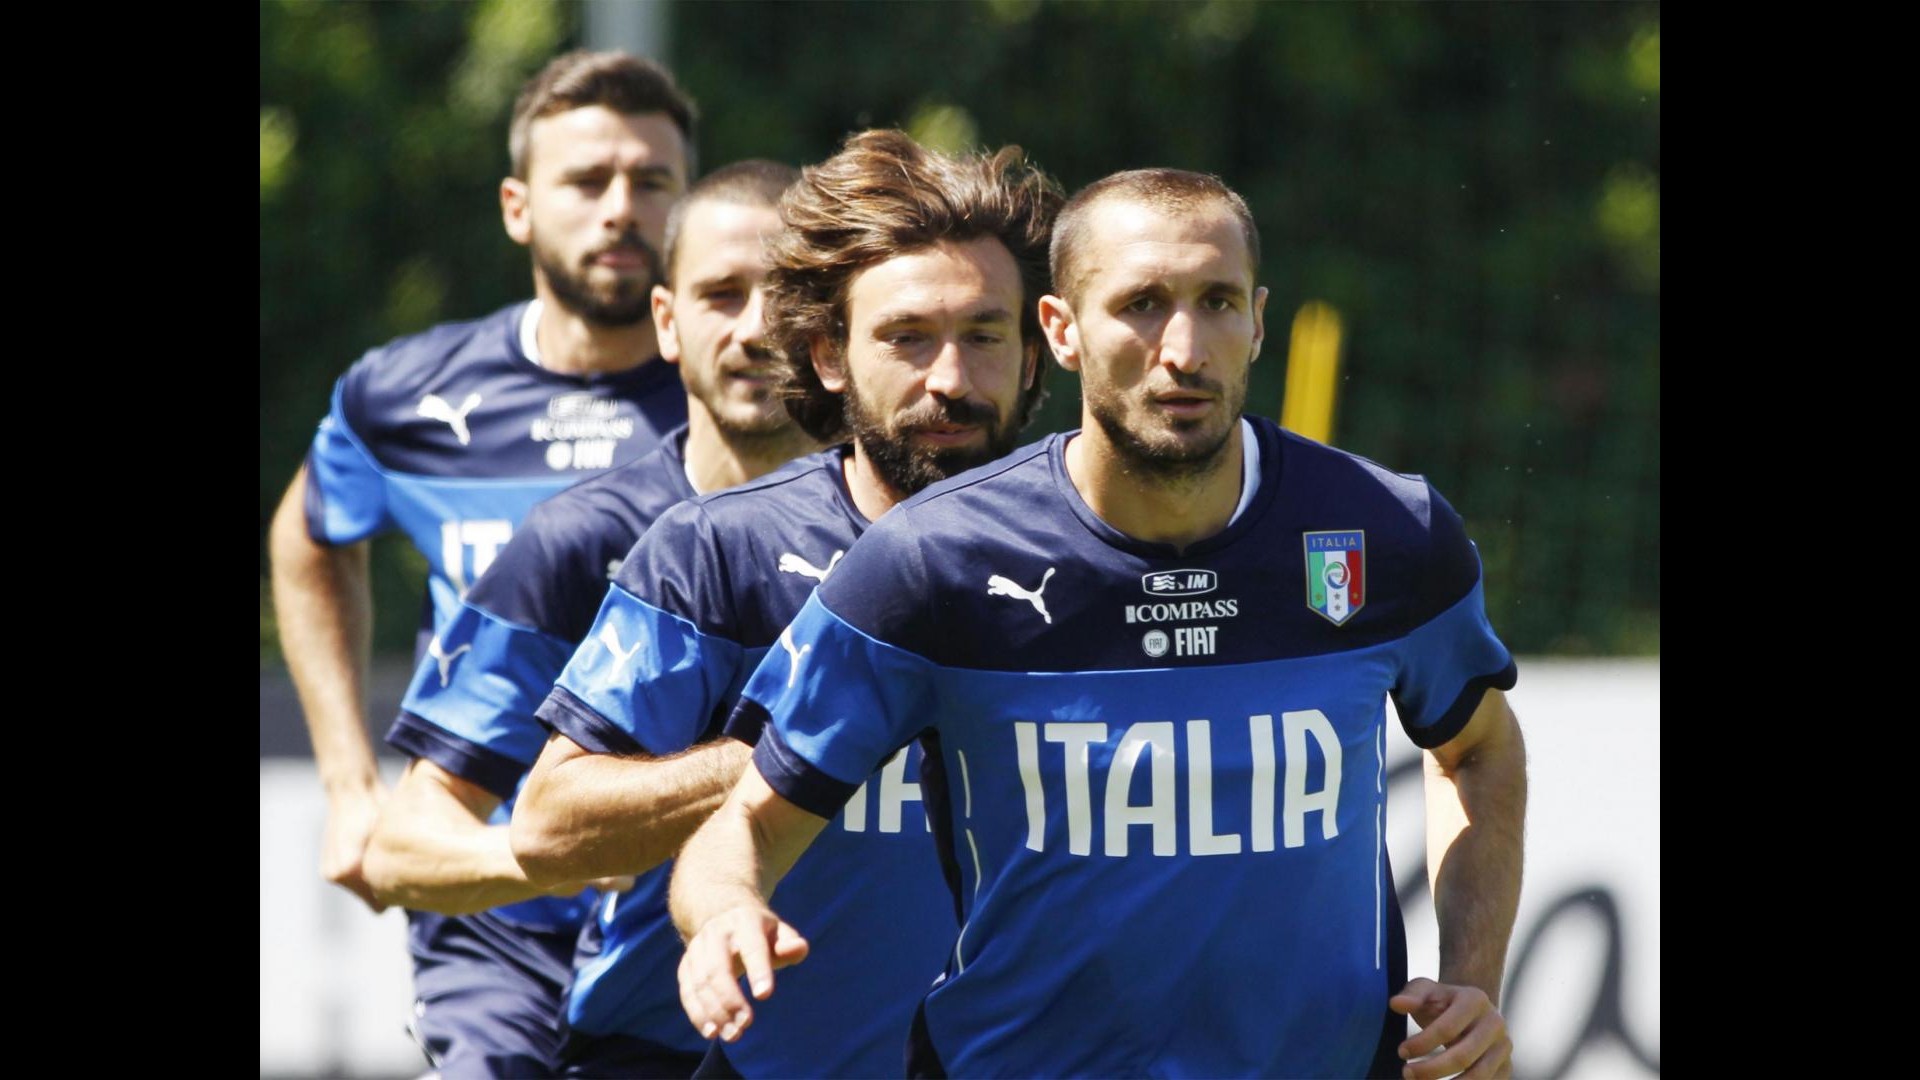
<point>570,345</point>
<point>717,459</point>
<point>872,496</point>
<point>1145,506</point>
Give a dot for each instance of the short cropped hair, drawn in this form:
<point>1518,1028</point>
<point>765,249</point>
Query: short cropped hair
<point>881,196</point>
<point>627,84</point>
<point>1169,190</point>
<point>753,182</point>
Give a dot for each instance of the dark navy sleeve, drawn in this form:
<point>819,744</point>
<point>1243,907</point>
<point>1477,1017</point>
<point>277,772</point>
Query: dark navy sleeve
<point>549,576</point>
<point>346,496</point>
<point>1450,660</point>
<point>647,677</point>
<point>835,696</point>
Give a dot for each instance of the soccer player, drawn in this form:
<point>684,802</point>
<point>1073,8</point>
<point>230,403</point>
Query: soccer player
<point>452,434</point>
<point>902,304</point>
<point>1151,660</point>
<point>468,717</point>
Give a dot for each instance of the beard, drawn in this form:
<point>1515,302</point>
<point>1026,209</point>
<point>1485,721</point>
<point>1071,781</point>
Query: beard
<point>623,302</point>
<point>1170,458</point>
<point>707,385</point>
<point>908,468</point>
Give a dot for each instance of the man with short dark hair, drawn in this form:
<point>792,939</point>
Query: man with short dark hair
<point>1149,662</point>
<point>452,434</point>
<point>468,720</point>
<point>902,291</point>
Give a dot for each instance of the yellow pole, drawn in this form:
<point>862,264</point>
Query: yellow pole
<point>1313,365</point>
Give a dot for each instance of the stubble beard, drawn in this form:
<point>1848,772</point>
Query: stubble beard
<point>907,468</point>
<point>710,391</point>
<point>622,304</point>
<point>1170,462</point>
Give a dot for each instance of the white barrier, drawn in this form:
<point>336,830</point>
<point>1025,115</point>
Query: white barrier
<point>1583,974</point>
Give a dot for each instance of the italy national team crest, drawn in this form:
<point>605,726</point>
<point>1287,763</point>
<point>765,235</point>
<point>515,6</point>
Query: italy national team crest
<point>1336,572</point>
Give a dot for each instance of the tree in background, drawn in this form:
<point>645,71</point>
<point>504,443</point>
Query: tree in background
<point>1475,188</point>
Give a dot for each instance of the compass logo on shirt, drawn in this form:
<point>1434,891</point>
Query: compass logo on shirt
<point>581,430</point>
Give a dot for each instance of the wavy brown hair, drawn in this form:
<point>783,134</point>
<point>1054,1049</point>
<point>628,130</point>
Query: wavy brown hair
<point>881,196</point>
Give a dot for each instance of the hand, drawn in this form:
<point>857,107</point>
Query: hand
<point>745,940</point>
<point>1462,1019</point>
<point>343,847</point>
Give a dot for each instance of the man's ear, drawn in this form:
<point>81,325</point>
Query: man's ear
<point>513,210</point>
<point>1062,333</point>
<point>669,343</point>
<point>829,363</point>
<point>1259,319</point>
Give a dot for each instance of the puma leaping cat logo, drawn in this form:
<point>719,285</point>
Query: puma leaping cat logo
<point>786,642</point>
<point>794,564</point>
<point>444,659</point>
<point>610,637</point>
<point>1000,586</point>
<point>434,407</point>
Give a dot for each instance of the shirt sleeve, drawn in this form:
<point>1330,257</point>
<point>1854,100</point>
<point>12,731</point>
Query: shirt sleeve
<point>1447,663</point>
<point>833,699</point>
<point>346,496</point>
<point>657,671</point>
<point>470,706</point>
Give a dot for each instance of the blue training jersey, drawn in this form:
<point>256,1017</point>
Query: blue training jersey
<point>452,434</point>
<point>697,603</point>
<point>470,707</point>
<point>1157,777</point>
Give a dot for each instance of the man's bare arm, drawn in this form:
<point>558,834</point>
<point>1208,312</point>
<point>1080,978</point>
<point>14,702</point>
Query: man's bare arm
<point>588,815</point>
<point>324,605</point>
<point>1476,787</point>
<point>434,851</point>
<point>718,900</point>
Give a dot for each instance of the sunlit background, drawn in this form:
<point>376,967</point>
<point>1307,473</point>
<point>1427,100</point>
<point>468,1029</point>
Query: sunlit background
<point>1460,216</point>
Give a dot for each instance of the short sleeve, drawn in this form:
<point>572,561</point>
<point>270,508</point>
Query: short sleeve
<point>346,496</point>
<point>1448,662</point>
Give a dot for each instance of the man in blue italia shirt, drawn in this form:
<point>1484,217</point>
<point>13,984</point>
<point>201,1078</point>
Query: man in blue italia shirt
<point>1148,662</point>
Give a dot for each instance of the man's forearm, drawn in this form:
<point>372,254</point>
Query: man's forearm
<point>1476,811</point>
<point>450,869</point>
<point>718,869</point>
<point>601,815</point>
<point>323,604</point>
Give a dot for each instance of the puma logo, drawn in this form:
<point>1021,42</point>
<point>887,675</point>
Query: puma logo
<point>610,637</point>
<point>1000,586</point>
<point>434,407</point>
<point>794,564</point>
<point>786,642</point>
<point>444,659</point>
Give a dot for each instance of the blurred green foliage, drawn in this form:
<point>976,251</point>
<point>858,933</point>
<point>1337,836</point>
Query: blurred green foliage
<point>1475,188</point>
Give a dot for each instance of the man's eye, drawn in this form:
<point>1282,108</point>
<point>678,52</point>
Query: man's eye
<point>1141,304</point>
<point>903,338</point>
<point>721,296</point>
<point>984,337</point>
<point>1218,303</point>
